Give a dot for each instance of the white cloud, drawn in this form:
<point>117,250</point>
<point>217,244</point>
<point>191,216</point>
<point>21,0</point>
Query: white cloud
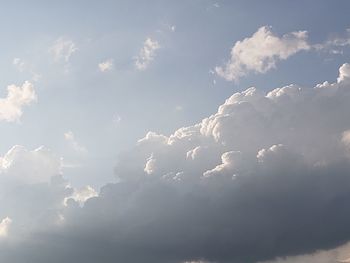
<point>344,73</point>
<point>36,166</point>
<point>147,54</point>
<point>17,98</point>
<point>4,226</point>
<point>106,65</point>
<point>70,137</point>
<point>81,195</point>
<point>335,45</point>
<point>63,49</point>
<point>260,52</point>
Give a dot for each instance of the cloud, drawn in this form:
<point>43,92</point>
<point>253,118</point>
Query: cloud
<point>19,64</point>
<point>82,195</point>
<point>70,137</point>
<point>106,65</point>
<point>63,49</point>
<point>23,66</point>
<point>335,44</point>
<point>340,254</point>
<point>147,54</point>
<point>36,166</point>
<point>17,98</point>
<point>4,226</point>
<point>265,177</point>
<point>260,52</point>
<point>344,73</point>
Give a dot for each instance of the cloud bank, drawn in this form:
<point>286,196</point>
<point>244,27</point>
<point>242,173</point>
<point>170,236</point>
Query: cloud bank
<point>266,176</point>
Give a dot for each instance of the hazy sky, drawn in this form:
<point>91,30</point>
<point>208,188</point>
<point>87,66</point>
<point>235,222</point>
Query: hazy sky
<point>95,166</point>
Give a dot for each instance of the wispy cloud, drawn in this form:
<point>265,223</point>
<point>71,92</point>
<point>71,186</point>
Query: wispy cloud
<point>63,49</point>
<point>70,137</point>
<point>146,54</point>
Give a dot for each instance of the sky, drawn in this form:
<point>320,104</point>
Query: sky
<point>191,131</point>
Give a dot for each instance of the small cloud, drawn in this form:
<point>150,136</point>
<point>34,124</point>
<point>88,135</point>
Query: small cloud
<point>69,137</point>
<point>17,97</point>
<point>19,64</point>
<point>106,65</point>
<point>4,227</point>
<point>117,119</point>
<point>147,54</point>
<point>63,49</point>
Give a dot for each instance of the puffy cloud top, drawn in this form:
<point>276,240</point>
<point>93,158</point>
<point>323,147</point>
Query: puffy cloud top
<point>260,52</point>
<point>17,97</point>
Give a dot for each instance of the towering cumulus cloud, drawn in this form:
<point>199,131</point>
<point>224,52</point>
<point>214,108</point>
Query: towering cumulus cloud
<point>266,176</point>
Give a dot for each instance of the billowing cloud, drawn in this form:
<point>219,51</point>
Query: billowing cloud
<point>36,166</point>
<point>106,65</point>
<point>147,53</point>
<point>63,49</point>
<point>82,194</point>
<point>265,177</point>
<point>16,99</point>
<point>260,52</point>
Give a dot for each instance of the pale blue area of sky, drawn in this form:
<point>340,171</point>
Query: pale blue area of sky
<point>77,97</point>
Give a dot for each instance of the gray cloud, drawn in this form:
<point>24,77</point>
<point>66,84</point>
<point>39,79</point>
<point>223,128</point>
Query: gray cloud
<point>266,176</point>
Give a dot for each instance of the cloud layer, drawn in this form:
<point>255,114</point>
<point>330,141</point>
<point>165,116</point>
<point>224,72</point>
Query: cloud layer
<point>266,176</point>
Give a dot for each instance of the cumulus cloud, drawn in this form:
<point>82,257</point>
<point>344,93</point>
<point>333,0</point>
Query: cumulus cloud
<point>265,177</point>
<point>63,49</point>
<point>17,97</point>
<point>260,52</point>
<point>106,65</point>
<point>82,194</point>
<point>147,53</point>
<point>36,166</point>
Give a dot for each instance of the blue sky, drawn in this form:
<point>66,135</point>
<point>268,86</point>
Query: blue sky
<point>175,90</point>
